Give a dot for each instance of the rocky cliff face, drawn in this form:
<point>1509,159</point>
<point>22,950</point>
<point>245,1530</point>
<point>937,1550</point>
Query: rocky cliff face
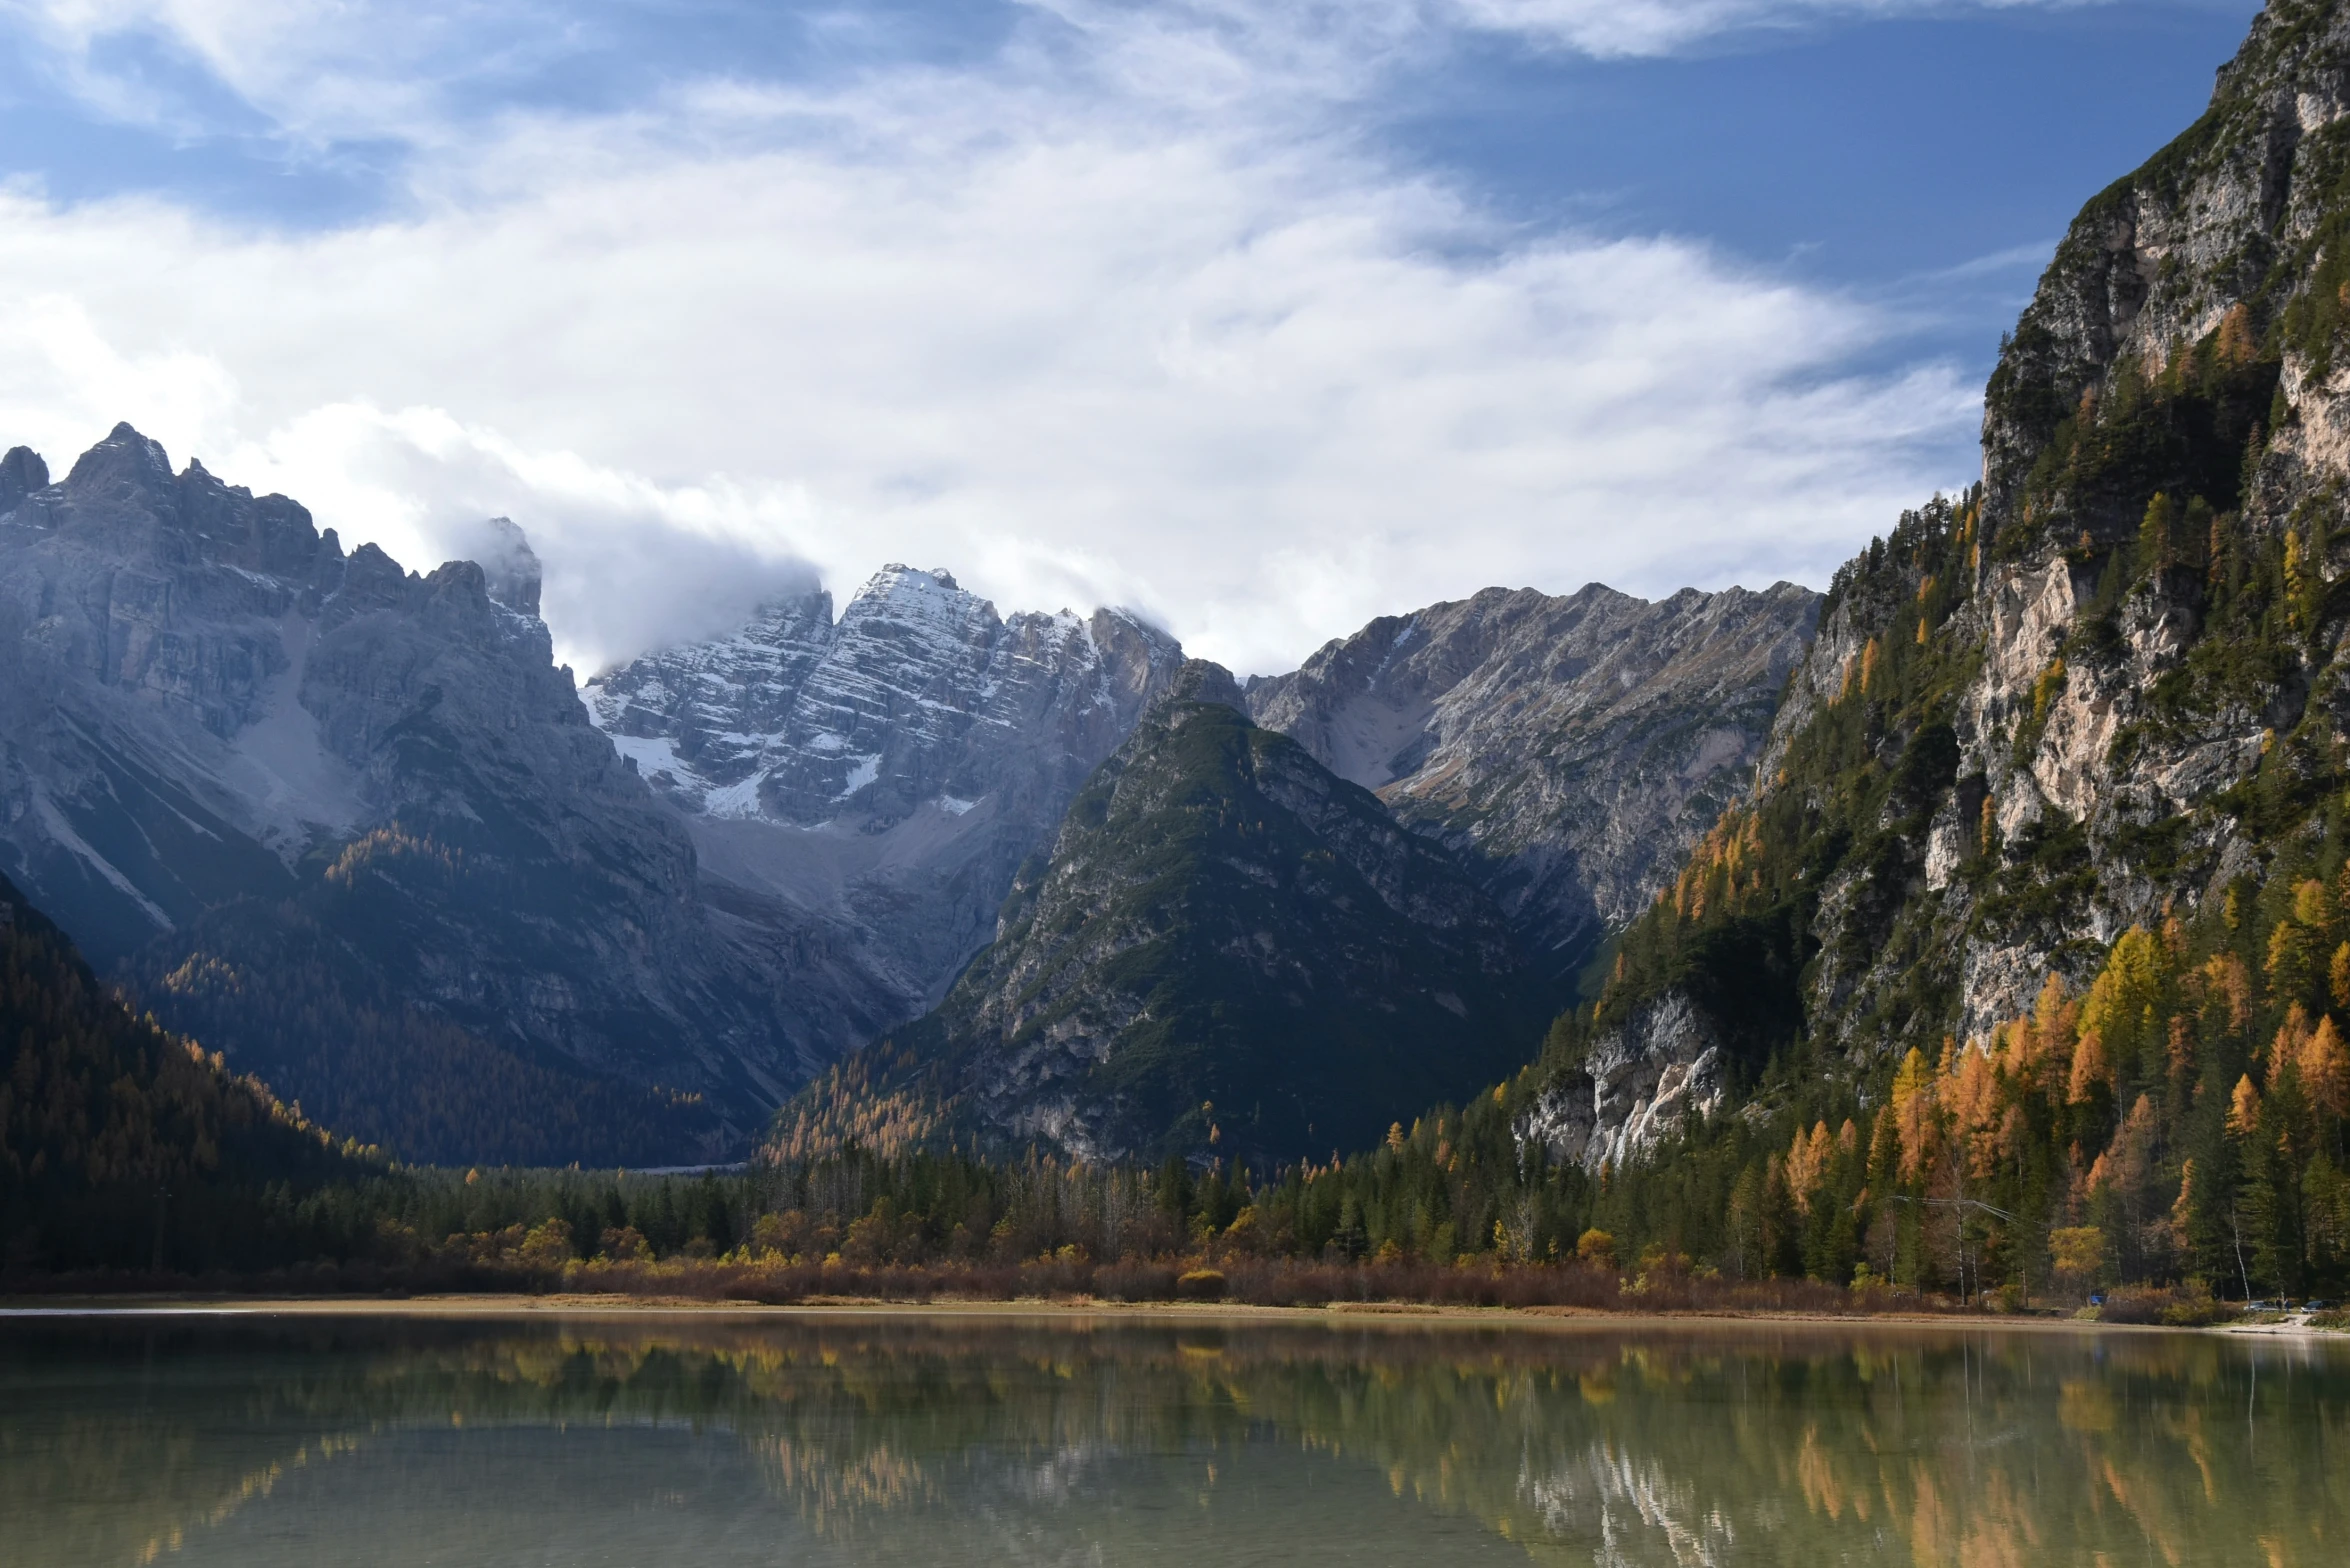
<point>1229,950</point>
<point>882,776</point>
<point>2104,689</point>
<point>1573,749</point>
<point>220,730</point>
<point>1632,1090</point>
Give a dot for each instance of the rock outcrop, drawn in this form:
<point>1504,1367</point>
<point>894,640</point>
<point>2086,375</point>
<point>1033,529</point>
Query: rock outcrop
<point>1572,749</point>
<point>1631,1089</point>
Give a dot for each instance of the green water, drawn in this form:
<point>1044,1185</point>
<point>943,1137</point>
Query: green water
<point>936,1440</point>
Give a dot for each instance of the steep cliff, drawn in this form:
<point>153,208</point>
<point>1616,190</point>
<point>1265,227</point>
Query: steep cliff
<point>1572,749</point>
<point>883,776</point>
<point>1228,951</point>
<point>2103,690</point>
<point>227,744</point>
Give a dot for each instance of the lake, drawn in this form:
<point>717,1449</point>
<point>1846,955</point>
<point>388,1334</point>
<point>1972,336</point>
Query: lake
<point>958,1439</point>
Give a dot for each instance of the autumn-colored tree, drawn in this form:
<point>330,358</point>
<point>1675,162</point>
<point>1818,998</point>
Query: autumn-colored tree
<point>2324,1061</point>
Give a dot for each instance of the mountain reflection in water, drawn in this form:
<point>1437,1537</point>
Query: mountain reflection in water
<point>914,1440</point>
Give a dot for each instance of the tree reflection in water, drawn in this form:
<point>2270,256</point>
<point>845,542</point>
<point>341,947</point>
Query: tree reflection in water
<point>913,1439</point>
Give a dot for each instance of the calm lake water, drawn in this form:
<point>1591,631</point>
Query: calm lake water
<point>937,1440</point>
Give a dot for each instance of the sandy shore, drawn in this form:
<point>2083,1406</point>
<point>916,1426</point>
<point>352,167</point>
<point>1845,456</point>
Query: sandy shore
<point>1352,1314</point>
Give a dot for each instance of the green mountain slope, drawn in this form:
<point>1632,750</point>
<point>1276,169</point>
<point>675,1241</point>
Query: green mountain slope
<point>1230,951</point>
<point>122,1145</point>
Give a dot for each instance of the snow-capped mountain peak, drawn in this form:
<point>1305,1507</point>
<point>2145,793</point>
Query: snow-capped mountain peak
<point>890,769</point>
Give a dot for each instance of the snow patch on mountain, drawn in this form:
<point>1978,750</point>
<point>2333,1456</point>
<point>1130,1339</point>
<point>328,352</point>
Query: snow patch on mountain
<point>885,771</point>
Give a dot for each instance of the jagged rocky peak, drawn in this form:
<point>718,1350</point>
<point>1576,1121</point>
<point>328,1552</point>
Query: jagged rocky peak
<point>1573,747</point>
<point>226,742</point>
<point>883,775</point>
<point>2210,243</point>
<point>709,708</point>
<point>1204,680</point>
<point>121,504</point>
<point>21,473</point>
<point>122,498</point>
<point>167,586</point>
<point>510,567</point>
<point>920,694</point>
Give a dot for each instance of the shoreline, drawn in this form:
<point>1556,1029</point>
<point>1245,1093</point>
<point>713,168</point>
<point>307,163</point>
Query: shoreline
<point>522,1307</point>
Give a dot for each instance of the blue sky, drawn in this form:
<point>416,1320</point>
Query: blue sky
<point>1261,318</point>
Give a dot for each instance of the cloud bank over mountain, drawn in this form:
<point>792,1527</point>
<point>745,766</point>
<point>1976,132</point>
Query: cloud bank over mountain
<point>1090,303</point>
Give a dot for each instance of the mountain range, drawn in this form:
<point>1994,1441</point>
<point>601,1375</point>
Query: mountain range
<point>2063,770</point>
<point>883,775</point>
<point>1570,750</point>
<point>1982,921</point>
<point>919,869</point>
<point>2016,963</point>
<point>353,826</point>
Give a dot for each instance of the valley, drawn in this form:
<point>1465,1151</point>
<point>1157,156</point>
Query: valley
<point>1978,926</point>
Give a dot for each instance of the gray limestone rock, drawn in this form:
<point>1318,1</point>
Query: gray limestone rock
<point>1572,748</point>
<point>208,707</point>
<point>2193,247</point>
<point>1632,1088</point>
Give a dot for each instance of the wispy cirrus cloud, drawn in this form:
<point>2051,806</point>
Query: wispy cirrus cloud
<point>1618,29</point>
<point>308,72</point>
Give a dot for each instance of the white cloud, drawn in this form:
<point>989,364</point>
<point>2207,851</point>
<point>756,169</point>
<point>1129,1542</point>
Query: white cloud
<point>1088,323</point>
<point>628,563</point>
<point>1615,29</point>
<point>63,383</point>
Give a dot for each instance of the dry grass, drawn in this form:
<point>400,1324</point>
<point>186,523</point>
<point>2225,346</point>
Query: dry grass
<point>1264,1282</point>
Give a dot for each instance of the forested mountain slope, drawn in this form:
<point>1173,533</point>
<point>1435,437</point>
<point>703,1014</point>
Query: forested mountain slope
<point>1229,952</point>
<point>124,1145</point>
<point>2043,878</point>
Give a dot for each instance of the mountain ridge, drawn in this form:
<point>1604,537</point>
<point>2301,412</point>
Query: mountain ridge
<point>221,731</point>
<point>1571,747</point>
<point>1227,950</point>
